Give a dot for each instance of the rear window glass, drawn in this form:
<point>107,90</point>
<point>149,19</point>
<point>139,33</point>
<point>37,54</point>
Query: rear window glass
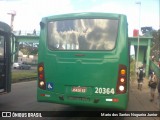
<point>82,34</point>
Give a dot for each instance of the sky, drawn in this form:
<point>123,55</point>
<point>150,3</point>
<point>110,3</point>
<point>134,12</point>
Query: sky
<point>30,12</point>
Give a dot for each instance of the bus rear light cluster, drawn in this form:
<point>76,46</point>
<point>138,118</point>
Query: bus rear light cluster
<point>41,78</point>
<point>122,80</point>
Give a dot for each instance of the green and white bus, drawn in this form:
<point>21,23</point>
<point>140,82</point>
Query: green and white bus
<point>83,60</point>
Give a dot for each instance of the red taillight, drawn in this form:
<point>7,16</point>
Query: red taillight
<point>41,81</point>
<point>41,76</point>
<point>122,80</point>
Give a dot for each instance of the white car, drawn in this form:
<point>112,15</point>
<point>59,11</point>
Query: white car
<point>16,65</point>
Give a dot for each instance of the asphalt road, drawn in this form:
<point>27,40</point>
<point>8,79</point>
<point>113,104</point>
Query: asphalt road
<point>23,98</point>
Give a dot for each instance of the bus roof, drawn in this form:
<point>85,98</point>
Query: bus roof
<point>4,27</point>
<point>84,15</point>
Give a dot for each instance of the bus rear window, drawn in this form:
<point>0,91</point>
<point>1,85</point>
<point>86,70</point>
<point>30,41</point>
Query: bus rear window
<point>82,34</point>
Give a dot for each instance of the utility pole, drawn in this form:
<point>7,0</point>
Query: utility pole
<point>13,14</point>
<point>139,3</point>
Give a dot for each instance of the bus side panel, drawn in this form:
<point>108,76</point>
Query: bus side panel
<point>5,72</point>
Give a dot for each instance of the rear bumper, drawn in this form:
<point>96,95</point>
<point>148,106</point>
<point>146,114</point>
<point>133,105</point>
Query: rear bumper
<point>99,101</point>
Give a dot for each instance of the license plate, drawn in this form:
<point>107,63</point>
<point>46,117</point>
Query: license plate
<point>79,89</point>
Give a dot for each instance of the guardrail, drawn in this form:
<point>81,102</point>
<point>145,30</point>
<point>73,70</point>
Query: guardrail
<point>26,33</point>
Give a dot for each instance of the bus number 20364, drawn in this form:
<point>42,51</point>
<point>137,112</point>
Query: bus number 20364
<point>99,90</point>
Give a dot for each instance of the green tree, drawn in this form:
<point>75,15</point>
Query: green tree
<point>155,49</point>
<point>28,48</point>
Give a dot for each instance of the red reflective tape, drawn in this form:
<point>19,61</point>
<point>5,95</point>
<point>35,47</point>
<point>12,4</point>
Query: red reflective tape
<point>115,100</point>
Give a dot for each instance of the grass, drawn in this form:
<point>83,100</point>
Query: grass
<point>19,74</point>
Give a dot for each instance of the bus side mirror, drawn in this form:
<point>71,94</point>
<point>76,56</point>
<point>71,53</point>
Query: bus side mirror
<point>42,25</point>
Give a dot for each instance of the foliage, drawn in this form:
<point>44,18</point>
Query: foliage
<point>28,48</point>
<point>132,67</point>
<point>131,58</point>
<point>155,48</point>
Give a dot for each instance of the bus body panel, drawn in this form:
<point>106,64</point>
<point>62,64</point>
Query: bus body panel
<point>88,101</point>
<point>85,78</point>
<point>5,58</point>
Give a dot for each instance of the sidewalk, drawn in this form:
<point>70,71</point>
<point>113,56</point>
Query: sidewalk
<point>144,95</point>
